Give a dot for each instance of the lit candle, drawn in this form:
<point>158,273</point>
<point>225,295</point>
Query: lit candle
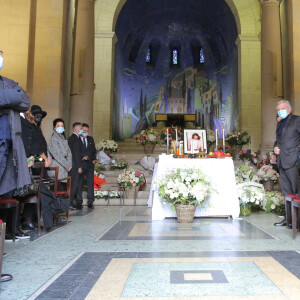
<point>223,130</point>
<point>167,140</point>
<point>216,139</point>
<point>176,136</point>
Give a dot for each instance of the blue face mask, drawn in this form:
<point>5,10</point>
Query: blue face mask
<point>282,113</point>
<point>80,132</point>
<point>60,130</point>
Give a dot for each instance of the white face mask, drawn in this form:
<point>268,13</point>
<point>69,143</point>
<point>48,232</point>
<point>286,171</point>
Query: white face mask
<point>1,62</point>
<point>85,134</point>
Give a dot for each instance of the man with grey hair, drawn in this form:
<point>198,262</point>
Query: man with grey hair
<point>287,149</point>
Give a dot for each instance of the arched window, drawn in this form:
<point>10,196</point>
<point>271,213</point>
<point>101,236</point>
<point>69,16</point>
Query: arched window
<point>202,59</point>
<point>148,56</point>
<point>174,56</point>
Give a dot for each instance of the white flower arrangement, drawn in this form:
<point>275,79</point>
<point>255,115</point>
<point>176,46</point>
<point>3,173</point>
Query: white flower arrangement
<point>104,194</point>
<point>184,186</point>
<point>119,165</point>
<point>245,173</point>
<point>266,173</point>
<point>251,194</point>
<point>107,145</point>
<point>273,202</point>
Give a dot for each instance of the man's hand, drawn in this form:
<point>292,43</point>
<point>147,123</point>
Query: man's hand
<point>79,170</point>
<point>95,161</point>
<point>276,150</point>
<point>85,158</point>
<point>69,169</point>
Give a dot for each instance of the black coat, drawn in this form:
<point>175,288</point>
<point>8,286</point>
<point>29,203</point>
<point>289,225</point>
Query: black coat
<point>33,139</point>
<point>75,146</point>
<point>289,142</point>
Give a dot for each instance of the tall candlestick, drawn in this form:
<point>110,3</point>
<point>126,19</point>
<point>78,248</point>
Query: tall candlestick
<point>223,131</point>
<point>216,139</point>
<point>167,140</point>
<point>176,136</point>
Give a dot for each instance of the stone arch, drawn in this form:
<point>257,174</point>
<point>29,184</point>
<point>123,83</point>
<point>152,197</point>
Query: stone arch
<point>247,17</point>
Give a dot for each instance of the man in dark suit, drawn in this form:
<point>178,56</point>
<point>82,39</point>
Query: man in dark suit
<point>75,173</point>
<point>287,149</point>
<point>88,154</point>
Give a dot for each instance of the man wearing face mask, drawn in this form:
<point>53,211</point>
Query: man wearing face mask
<point>88,153</point>
<point>75,173</point>
<point>287,149</point>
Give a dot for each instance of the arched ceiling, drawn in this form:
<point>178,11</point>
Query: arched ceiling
<point>211,22</point>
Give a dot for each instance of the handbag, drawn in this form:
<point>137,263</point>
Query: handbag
<point>28,189</point>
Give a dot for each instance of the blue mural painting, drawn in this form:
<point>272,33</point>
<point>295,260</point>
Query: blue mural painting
<point>175,56</point>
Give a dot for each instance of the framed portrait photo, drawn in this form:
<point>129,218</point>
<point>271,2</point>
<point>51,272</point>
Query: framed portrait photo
<point>194,140</point>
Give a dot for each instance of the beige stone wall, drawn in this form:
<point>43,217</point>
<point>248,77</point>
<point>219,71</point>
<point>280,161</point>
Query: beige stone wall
<point>14,33</point>
<point>294,13</point>
<point>247,16</point>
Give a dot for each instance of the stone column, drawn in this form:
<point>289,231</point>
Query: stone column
<point>82,91</point>
<point>271,70</point>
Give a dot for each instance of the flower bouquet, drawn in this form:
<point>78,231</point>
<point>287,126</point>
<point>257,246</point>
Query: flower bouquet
<point>251,196</point>
<point>119,165</point>
<point>245,173</point>
<point>273,202</point>
<point>238,138</point>
<point>266,173</point>
<point>107,146</point>
<point>148,136</point>
<point>131,178</point>
<point>184,186</point>
<point>98,181</point>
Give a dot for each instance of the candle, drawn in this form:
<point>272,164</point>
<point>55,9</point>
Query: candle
<point>223,130</point>
<point>167,140</point>
<point>216,139</point>
<point>176,136</point>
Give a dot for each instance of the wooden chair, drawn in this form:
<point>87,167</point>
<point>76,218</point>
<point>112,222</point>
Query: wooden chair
<point>295,215</point>
<point>36,199</point>
<point>288,208</point>
<point>10,203</point>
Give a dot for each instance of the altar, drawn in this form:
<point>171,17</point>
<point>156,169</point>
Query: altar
<point>223,201</point>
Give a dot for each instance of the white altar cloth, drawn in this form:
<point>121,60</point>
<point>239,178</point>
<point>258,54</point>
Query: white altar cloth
<point>223,201</point>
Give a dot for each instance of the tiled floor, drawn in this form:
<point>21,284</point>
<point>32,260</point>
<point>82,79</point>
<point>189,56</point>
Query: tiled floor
<point>118,253</point>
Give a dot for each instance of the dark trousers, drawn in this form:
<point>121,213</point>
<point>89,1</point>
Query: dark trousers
<point>75,176</point>
<point>88,172</point>
<point>289,180</point>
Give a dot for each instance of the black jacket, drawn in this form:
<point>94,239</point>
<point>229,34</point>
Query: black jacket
<point>289,142</point>
<point>90,150</point>
<point>75,146</point>
<point>33,139</point>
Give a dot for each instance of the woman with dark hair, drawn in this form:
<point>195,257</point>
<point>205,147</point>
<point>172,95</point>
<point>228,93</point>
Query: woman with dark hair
<point>59,149</point>
<point>195,144</point>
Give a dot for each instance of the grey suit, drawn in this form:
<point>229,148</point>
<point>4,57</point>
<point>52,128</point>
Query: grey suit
<point>289,145</point>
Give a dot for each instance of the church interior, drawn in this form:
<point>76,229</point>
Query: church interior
<point>127,66</point>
